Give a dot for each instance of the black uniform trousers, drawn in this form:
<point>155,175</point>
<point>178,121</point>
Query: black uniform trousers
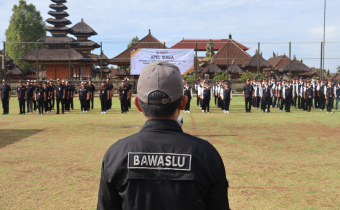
<point>226,103</point>
<point>129,102</point>
<point>49,101</point>
<point>299,102</point>
<point>88,103</point>
<point>52,102</point>
<point>206,104</point>
<point>124,104</point>
<point>309,103</point>
<point>29,102</point>
<point>60,101</point>
<point>66,104</point>
<point>248,103</point>
<point>215,98</point>
<point>257,101</point>
<point>92,101</point>
<point>330,104</point>
<point>35,104</point>
<point>187,106</point>
<point>41,106</point>
<point>46,105</point>
<point>267,102</point>
<point>316,102</point>
<point>294,102</point>
<point>274,101</point>
<point>5,105</point>
<point>103,103</point>
<point>198,99</point>
<point>71,103</point>
<point>303,103</point>
<point>322,101</point>
<point>82,104</point>
<point>22,105</point>
<point>288,102</point>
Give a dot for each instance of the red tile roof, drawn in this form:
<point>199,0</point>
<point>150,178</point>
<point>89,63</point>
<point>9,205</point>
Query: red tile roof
<point>235,52</point>
<point>202,44</point>
<point>147,42</point>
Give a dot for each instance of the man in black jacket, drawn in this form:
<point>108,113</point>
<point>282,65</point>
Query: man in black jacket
<point>5,96</point>
<point>161,167</point>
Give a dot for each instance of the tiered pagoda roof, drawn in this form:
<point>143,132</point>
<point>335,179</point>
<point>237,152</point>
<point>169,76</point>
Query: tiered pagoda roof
<point>295,66</point>
<point>59,22</point>
<point>277,61</point>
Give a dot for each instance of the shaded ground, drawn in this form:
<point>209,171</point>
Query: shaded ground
<point>273,161</point>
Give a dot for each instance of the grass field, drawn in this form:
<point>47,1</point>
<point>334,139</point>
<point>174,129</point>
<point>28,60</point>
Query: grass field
<point>273,161</point>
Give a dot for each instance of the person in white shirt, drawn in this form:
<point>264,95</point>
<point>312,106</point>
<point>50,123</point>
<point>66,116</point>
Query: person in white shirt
<point>227,95</point>
<point>206,97</point>
<point>187,91</point>
<point>266,95</point>
<point>198,82</point>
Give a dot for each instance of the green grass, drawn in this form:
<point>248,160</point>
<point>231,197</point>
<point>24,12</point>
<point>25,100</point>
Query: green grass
<point>273,161</point>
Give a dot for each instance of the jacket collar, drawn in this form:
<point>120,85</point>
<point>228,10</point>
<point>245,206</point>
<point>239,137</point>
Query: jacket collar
<point>161,125</point>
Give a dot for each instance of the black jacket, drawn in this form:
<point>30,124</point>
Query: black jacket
<point>162,168</point>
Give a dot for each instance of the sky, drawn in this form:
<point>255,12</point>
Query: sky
<point>272,23</point>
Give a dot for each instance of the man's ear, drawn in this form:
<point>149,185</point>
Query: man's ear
<point>183,103</point>
<point>136,102</point>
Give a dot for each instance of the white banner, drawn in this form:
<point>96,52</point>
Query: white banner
<point>182,58</point>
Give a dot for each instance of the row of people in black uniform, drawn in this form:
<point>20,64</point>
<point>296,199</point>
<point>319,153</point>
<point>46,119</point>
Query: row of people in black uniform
<point>41,96</point>
<point>297,92</point>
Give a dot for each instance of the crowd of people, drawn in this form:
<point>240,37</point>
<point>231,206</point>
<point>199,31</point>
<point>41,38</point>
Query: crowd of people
<point>269,93</point>
<point>260,94</point>
<point>46,96</point>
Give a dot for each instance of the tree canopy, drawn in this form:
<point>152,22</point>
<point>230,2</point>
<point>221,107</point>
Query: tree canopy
<point>133,41</point>
<point>26,25</point>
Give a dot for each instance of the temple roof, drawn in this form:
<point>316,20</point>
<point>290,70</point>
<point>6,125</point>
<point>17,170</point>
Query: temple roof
<point>212,69</point>
<point>16,71</point>
<point>295,66</point>
<point>202,44</point>
<point>254,62</point>
<point>121,72</point>
<point>277,62</point>
<point>63,21</point>
<point>88,44</point>
<point>83,28</point>
<point>58,6</point>
<point>235,52</point>
<point>59,1</point>
<point>58,14</point>
<point>53,55</point>
<point>104,70</point>
<point>52,39</point>
<point>234,69</point>
<point>148,41</point>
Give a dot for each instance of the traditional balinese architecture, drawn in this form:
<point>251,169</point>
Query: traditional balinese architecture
<point>295,67</point>
<point>121,73</point>
<point>31,74</point>
<point>64,57</point>
<point>228,52</point>
<point>212,69</point>
<point>336,77</point>
<point>234,71</point>
<point>13,70</point>
<point>103,67</point>
<point>202,44</point>
<point>123,59</point>
<point>257,60</point>
<point>277,62</point>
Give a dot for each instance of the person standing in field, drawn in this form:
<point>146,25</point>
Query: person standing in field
<point>83,95</point>
<point>72,90</point>
<point>110,88</point>
<point>206,97</point>
<point>187,91</point>
<point>248,93</point>
<point>130,92</point>
<point>161,167</point>
<point>104,96</point>
<point>29,99</point>
<point>330,93</point>
<point>5,92</point>
<point>227,96</point>
<point>196,89</point>
<point>52,87</point>
<point>288,95</point>
<point>309,95</point>
<point>123,93</point>
<point>40,95</point>
<point>337,92</point>
<point>266,95</point>
<point>93,89</point>
<point>46,91</point>
<point>34,86</point>
<point>21,93</point>
<point>59,95</point>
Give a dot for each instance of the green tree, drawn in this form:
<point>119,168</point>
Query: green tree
<point>133,41</point>
<point>338,68</point>
<point>248,75</point>
<point>26,25</point>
